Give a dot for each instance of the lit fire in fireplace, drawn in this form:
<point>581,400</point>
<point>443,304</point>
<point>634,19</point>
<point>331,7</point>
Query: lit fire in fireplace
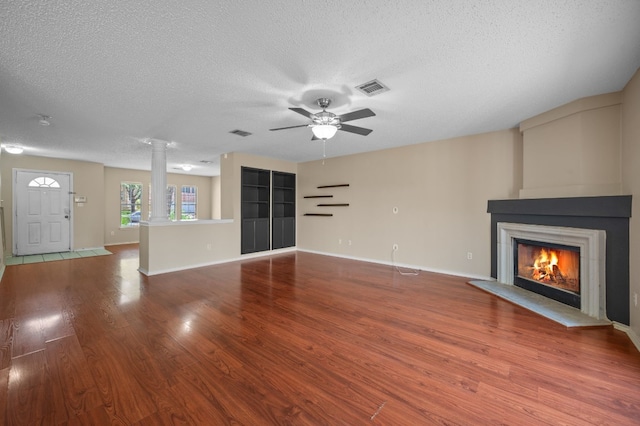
<point>558,268</point>
<point>545,267</point>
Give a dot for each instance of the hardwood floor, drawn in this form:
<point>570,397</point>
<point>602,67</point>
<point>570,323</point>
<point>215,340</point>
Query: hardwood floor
<point>294,339</point>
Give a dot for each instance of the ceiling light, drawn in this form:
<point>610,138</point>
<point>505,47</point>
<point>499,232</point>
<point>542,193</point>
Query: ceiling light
<point>13,149</point>
<point>324,131</point>
<point>44,120</point>
<point>186,167</point>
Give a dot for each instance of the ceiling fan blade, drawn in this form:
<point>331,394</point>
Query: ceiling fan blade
<point>301,111</point>
<point>362,113</point>
<point>355,129</point>
<point>291,127</point>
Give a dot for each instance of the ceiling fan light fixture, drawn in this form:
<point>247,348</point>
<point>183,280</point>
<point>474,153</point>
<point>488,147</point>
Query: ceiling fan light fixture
<point>13,149</point>
<point>324,131</point>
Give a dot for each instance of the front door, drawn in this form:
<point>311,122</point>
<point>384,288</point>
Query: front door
<point>42,212</point>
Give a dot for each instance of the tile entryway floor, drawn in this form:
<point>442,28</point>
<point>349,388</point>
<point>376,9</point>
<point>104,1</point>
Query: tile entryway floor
<point>50,257</point>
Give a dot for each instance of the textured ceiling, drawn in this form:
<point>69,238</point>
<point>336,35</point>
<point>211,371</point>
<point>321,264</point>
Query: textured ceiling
<point>112,73</point>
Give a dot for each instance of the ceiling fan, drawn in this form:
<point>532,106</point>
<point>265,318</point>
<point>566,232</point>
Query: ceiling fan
<point>324,124</point>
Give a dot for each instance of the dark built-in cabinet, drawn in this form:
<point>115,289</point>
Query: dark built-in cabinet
<point>256,192</point>
<point>267,197</point>
<point>284,210</point>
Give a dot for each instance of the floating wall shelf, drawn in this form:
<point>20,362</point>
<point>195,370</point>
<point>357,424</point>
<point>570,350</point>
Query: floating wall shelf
<point>340,185</point>
<point>334,186</point>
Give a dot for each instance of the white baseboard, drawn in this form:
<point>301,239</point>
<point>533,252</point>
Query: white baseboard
<point>404,265</point>
<point>217,262</point>
<point>635,339</point>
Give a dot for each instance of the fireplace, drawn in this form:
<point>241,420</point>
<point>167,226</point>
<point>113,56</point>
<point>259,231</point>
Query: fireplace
<point>552,270</point>
<point>598,227</point>
<point>587,244</point>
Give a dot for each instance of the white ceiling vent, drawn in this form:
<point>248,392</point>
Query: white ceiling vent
<point>240,133</point>
<point>373,87</point>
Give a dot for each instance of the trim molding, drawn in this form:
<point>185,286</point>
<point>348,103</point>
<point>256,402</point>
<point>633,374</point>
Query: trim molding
<point>635,339</point>
<point>402,265</point>
<point>217,262</point>
<point>576,107</point>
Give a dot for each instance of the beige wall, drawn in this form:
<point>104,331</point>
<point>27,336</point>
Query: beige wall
<point>88,180</point>
<point>177,246</point>
<point>174,247</point>
<point>113,233</point>
<point>440,189</point>
<point>573,150</point>
<point>631,185</point>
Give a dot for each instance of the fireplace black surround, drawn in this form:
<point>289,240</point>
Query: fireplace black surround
<point>609,213</point>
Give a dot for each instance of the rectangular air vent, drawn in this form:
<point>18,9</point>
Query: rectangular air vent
<point>373,87</point>
<point>240,132</point>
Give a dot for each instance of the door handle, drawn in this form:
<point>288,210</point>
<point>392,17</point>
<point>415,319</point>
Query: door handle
<point>66,216</point>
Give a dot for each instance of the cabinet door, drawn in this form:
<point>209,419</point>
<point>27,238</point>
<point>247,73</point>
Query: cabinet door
<point>289,232</point>
<point>255,235</point>
<point>284,232</point>
<point>248,236</point>
<point>262,241</point>
<point>278,233</point>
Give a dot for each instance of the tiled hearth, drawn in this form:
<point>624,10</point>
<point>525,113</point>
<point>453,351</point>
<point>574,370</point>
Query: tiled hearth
<point>555,311</point>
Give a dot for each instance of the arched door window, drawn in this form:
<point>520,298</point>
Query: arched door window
<point>44,182</point>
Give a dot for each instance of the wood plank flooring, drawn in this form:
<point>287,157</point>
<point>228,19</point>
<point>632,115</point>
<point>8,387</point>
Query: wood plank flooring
<point>297,339</point>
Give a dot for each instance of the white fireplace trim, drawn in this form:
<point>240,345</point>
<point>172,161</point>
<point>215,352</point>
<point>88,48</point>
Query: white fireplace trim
<point>592,244</point>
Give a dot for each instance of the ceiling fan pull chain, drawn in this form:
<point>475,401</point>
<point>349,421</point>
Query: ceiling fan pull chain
<point>324,150</point>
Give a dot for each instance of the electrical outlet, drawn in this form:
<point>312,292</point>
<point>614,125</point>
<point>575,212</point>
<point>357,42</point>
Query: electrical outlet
<point>349,242</point>
<point>339,240</point>
<point>209,246</point>
<point>395,247</point>
<point>469,255</point>
<point>113,233</point>
<point>635,299</point>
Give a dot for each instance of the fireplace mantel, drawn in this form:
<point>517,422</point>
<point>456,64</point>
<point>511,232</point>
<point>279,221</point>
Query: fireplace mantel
<point>610,214</point>
<point>591,243</point>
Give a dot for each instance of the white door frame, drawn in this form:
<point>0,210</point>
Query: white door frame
<point>14,227</point>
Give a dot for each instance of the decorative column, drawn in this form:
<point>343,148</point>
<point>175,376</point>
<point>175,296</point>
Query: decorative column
<point>158,181</point>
